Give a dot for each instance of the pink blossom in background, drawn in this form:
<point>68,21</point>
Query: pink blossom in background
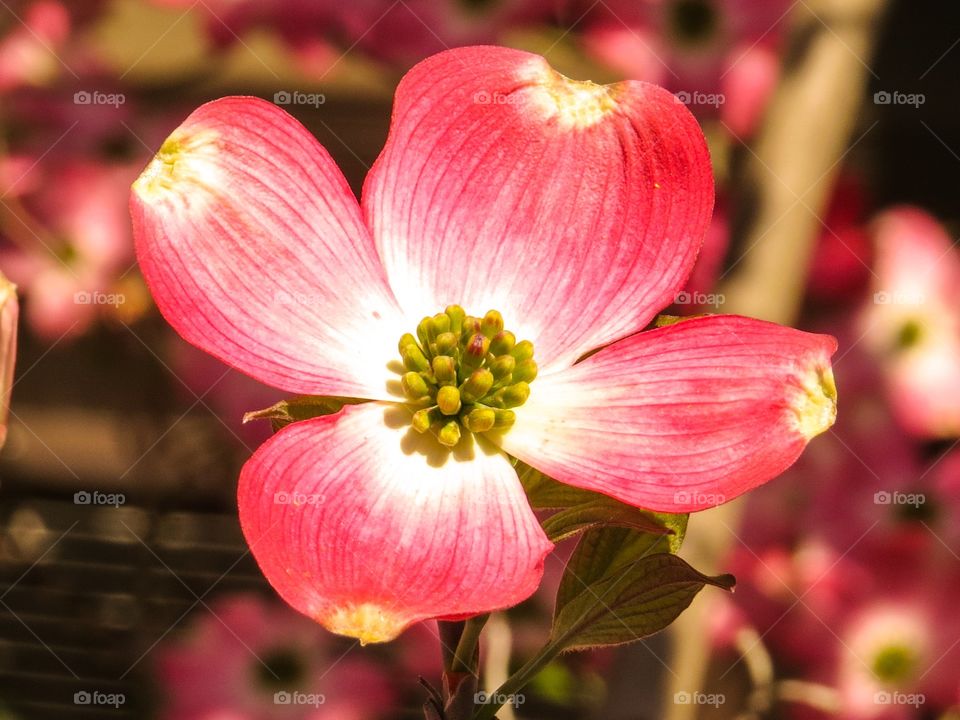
<point>42,42</point>
<point>320,32</point>
<point>236,658</point>
<point>9,310</point>
<point>842,261</point>
<point>747,86</point>
<point>912,320</point>
<point>408,32</point>
<point>853,587</point>
<point>67,255</point>
<point>704,50</point>
<point>579,221</point>
<point>903,642</point>
<point>943,487</point>
<point>28,52</point>
<point>226,391</point>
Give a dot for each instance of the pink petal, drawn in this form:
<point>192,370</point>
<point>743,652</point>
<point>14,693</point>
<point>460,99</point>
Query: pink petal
<point>575,209</point>
<point>361,526</point>
<point>9,311</point>
<point>255,251</point>
<point>682,417</point>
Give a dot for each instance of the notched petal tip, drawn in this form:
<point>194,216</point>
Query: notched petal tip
<point>815,406</point>
<point>367,622</point>
<point>575,103</point>
<point>185,159</point>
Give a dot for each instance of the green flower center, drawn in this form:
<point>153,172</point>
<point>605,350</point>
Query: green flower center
<point>909,334</point>
<point>465,374</point>
<point>894,664</point>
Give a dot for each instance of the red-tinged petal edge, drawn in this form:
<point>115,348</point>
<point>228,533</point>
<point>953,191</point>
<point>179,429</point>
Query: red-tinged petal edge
<point>255,251</point>
<point>367,527</point>
<point>683,417</point>
<point>576,210</point>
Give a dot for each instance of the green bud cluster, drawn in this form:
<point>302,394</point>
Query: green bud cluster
<point>464,374</point>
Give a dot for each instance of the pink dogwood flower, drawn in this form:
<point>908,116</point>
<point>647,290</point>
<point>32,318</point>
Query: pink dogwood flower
<point>912,320</point>
<point>67,272</point>
<point>250,659</point>
<point>577,211</point>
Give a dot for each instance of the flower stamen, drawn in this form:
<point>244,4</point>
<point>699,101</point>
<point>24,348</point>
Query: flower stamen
<point>464,374</point>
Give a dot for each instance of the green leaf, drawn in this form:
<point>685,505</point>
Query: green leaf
<point>630,603</point>
<point>545,493</point>
<point>603,551</point>
<point>600,512</point>
<point>581,510</point>
<point>301,407</point>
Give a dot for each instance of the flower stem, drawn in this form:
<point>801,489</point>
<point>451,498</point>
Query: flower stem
<point>519,680</point>
<point>450,633</point>
<point>465,657</point>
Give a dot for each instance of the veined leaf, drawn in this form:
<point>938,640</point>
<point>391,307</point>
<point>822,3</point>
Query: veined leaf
<point>545,493</point>
<point>582,510</point>
<point>630,603</point>
<point>603,551</point>
<point>602,511</point>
